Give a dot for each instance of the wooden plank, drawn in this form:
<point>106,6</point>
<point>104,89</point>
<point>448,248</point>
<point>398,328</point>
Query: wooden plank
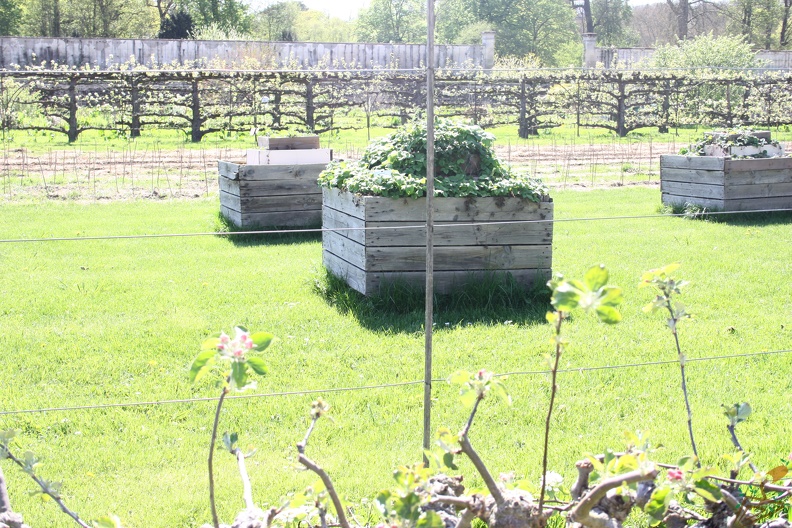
<point>269,187</point>
<point>228,169</point>
<point>764,190</point>
<point>378,209</point>
<point>235,217</point>
<point>288,143</point>
<point>345,202</point>
<point>708,203</point>
<point>281,172</point>
<point>287,219</point>
<point>273,204</point>
<point>332,219</point>
<point>344,248</point>
<point>747,165</point>
<point>458,258</point>
<point>755,176</point>
<point>692,176</point>
<point>693,190</point>
<point>446,234</point>
<point>758,204</point>
<point>673,161</point>
<point>229,186</point>
<point>355,277</point>
<point>448,281</point>
<point>289,157</point>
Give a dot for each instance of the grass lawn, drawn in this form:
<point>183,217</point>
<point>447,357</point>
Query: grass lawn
<point>95,322</point>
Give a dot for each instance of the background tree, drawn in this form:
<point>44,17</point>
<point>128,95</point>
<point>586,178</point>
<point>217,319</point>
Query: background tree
<point>224,14</point>
<point>397,21</point>
<point>164,9</point>
<point>278,21</point>
<point>178,25</point>
<point>43,18</point>
<point>316,26</point>
<point>10,17</point>
<point>756,20</point>
<point>611,20</point>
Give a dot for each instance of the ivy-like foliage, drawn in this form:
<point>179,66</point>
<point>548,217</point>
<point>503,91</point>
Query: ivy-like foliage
<point>395,166</point>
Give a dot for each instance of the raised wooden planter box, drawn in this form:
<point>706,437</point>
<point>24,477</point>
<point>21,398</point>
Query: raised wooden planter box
<point>270,195</point>
<point>726,184</point>
<point>368,259</point>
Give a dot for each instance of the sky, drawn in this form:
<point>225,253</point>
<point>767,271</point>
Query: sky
<point>348,9</point>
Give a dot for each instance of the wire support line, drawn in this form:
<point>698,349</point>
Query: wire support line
<point>647,363</point>
<point>382,386</point>
<point>211,399</point>
<point>440,225</point>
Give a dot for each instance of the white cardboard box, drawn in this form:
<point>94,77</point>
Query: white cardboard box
<point>289,157</point>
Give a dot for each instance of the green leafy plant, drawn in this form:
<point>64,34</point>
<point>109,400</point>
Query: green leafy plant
<point>590,294</point>
<point>465,166</point>
<point>236,351</point>
<point>667,288</point>
<point>28,462</point>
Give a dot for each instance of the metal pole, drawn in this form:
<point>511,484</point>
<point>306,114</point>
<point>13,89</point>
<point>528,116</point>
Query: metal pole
<point>430,156</point>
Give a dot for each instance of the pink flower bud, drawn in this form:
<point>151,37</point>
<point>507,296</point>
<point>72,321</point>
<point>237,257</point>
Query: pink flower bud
<point>675,474</point>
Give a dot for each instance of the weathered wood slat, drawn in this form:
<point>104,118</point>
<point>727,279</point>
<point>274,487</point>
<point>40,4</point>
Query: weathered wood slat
<point>228,169</point>
<point>332,219</point>
<point>448,281</point>
<point>345,248</point>
<point>229,186</point>
<point>758,204</point>
<point>709,203</point>
<point>673,161</point>
<point>757,164</point>
<point>693,190</point>
<point>458,258</point>
<point>764,190</point>
<point>285,219</point>
<point>758,177</point>
<point>713,177</point>
<point>355,277</point>
<point>281,172</point>
<point>449,234</point>
<point>273,204</point>
<point>269,187</point>
<point>456,209</point>
<point>289,143</point>
<point>345,202</point>
<point>232,216</point>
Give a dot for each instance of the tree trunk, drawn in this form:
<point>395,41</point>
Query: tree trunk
<point>783,39</point>
<point>588,16</point>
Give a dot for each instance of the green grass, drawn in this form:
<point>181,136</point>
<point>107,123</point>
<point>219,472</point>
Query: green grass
<point>94,322</point>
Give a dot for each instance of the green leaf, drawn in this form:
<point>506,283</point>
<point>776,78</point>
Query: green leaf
<point>626,464</point>
<point>608,314</point>
<point>448,460</point>
<point>707,490</point>
<point>686,463</point>
<point>107,521</point>
<point>468,397</point>
<point>565,297</point>
<point>201,364</point>
<point>596,277</point>
<point>210,343</point>
<point>238,375</point>
<point>658,503</point>
<point>429,519</point>
<point>611,296</point>
<point>257,365</point>
<point>262,340</point>
<point>778,472</point>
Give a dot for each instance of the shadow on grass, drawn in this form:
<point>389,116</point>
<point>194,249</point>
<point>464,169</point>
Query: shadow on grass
<point>284,235</point>
<point>738,218</point>
<point>493,299</point>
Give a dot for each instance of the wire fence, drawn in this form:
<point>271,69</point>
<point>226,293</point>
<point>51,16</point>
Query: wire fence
<point>308,392</point>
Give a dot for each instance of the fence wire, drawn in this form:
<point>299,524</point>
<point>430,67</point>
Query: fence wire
<point>282,232</point>
<point>307,392</point>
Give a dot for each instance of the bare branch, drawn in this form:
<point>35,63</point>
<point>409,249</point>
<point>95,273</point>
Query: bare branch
<point>581,513</point>
<point>467,448</point>
<point>313,466</point>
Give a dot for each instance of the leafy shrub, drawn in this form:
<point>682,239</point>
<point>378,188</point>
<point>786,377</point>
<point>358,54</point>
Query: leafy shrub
<point>465,165</point>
